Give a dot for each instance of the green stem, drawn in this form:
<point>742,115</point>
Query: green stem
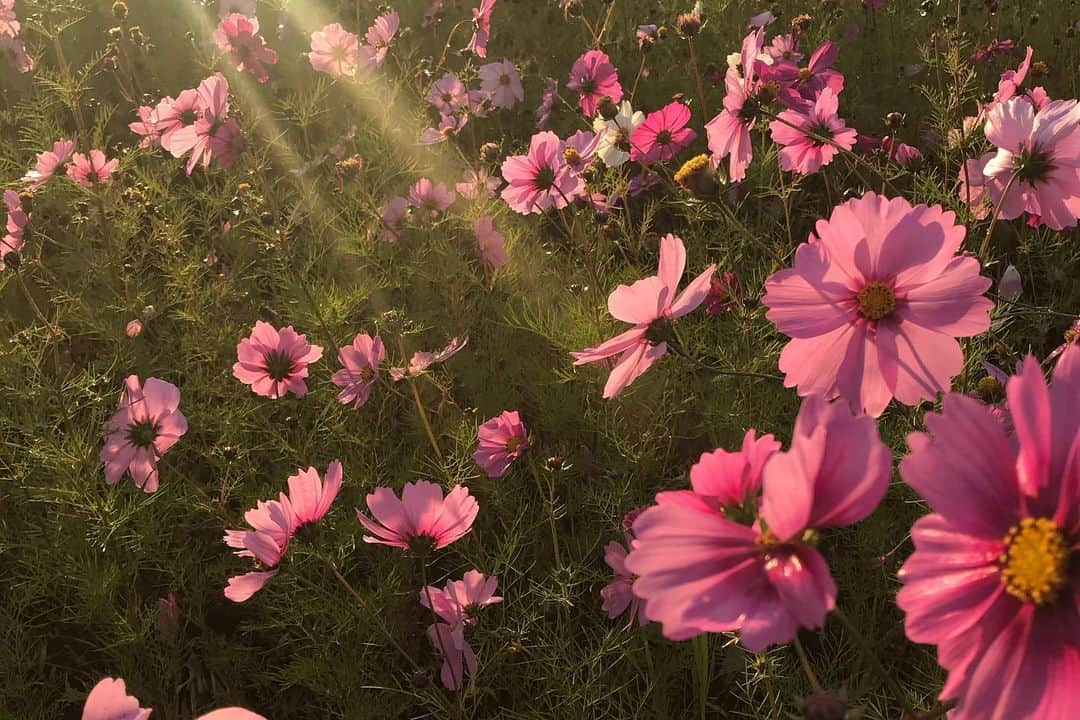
<point>550,492</point>
<point>805,663</point>
<point>985,247</point>
<point>697,79</point>
<point>700,643</point>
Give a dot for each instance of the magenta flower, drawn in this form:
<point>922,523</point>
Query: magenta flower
<point>379,36</point>
<point>731,479</point>
<point>275,362</point>
<point>541,179</point>
<point>238,37</point>
<point>489,242</point>
<point>1037,164</point>
<point>500,441</point>
<point>15,226</point>
<point>618,595</point>
<point>430,199</point>
<point>874,303</point>
<point>501,81</point>
<point>91,170</point>
<point>422,519</point>
<point>309,497</point>
<point>481,28</point>
<point>48,163</point>
<point>145,427</point>
<point>424,359</point>
<point>650,304</point>
<point>593,77</point>
<point>729,132</point>
<point>662,135</point>
<point>804,154</point>
<point>108,700</point>
<point>335,51</point>
<point>458,605</point>
<point>992,581</point>
<point>700,571</point>
<point>274,523</point>
<point>360,369</point>
<point>817,75</point>
<point>725,290</point>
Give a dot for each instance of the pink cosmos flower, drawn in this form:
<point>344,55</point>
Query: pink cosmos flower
<point>992,581</point>
<point>973,185</point>
<point>108,700</point>
<point>992,48</point>
<point>430,199</point>
<point>168,117</point>
<point>14,227</point>
<point>502,82</point>
<point>802,153</point>
<point>145,427</point>
<point>424,359</point>
<point>500,441</point>
<point>14,50</point>
<point>729,132</point>
<point>335,51</point>
<point>618,595</point>
<point>701,571</point>
<point>547,103</point>
<point>422,519</point>
<point>481,28</point>
<point>449,125</point>
<point>874,303</point>
<point>360,369</point>
<point>275,362</point>
<point>238,36</point>
<point>379,36</point>
<point>593,77</point>
<point>48,163</point>
<point>579,149</point>
<point>274,523</point>
<point>210,133</point>
<point>650,303</point>
<point>490,242</point>
<point>817,75</point>
<point>449,95</point>
<point>147,126</point>
<point>309,497</point>
<point>392,212</point>
<point>459,604</point>
<point>541,179</point>
<point>1011,80</point>
<point>476,184</point>
<point>662,135</point>
<point>785,47</point>
<point>725,290</point>
<point>1037,164</point>
<point>91,170</point>
<point>9,23</point>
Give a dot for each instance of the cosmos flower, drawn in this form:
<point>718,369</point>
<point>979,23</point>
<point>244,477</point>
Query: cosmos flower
<point>614,146</point>
<point>490,242</point>
<point>804,154</point>
<point>430,199</point>
<point>1011,80</point>
<point>275,362</point>
<point>459,605</point>
<point>238,36</point>
<point>422,360</point>
<point>663,134</point>
<point>541,179</point>
<point>14,227</point>
<point>48,163</point>
<point>593,77</point>
<point>449,95</point>
<point>729,132</point>
<point>145,427</point>
<point>310,497</point>
<point>481,28</point>
<point>335,51</point>
<point>359,369</point>
<point>477,184</point>
<point>547,103</point>
<point>501,81</point>
<point>500,441</point>
<point>392,212</point>
<point>378,38</point>
<point>108,700</point>
<point>91,170</point>
<point>422,519</point>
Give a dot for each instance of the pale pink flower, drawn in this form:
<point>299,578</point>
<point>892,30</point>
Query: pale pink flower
<point>275,362</point>
<point>168,117</point>
<point>14,50</point>
<point>593,77</point>
<point>481,28</point>
<point>662,135</point>
<point>973,185</point>
<point>379,36</point>
<point>108,700</point>
<point>459,659</point>
<point>501,81</point>
<point>701,571</point>
<point>477,184</point>
<point>15,226</point>
<point>618,595</point>
<point>449,95</point>
<point>449,125</point>
<point>422,360</point>
<point>490,242</point>
<point>874,303</point>
<point>91,170</point>
<point>1011,80</point>
<point>784,47</point>
<point>800,152</point>
<point>547,103</point>
<point>309,496</point>
<point>392,212</point>
<point>335,51</point>
<point>500,441</point>
<point>134,328</point>
<point>430,199</point>
<point>541,179</point>
<point>211,131</point>
<point>48,163</point>
<point>992,581</point>
<point>360,369</point>
<point>9,23</point>
<point>238,36</point>
<point>274,523</point>
<point>147,127</point>
<point>729,132</point>
<point>422,519</point>
<point>145,427</point>
<point>650,304</point>
<point>579,149</point>
<point>458,605</point>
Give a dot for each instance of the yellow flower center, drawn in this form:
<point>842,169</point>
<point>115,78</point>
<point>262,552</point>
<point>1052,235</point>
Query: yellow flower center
<point>571,155</point>
<point>1033,564</point>
<point>512,444</point>
<point>690,168</point>
<point>876,300</point>
<point>805,74</point>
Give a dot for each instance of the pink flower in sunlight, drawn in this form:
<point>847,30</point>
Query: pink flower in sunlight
<point>500,441</point>
<point>662,135</point>
<point>701,571</point>
<point>12,48</point>
<point>729,132</point>
<point>1037,164</point>
<point>422,520</point>
<point>379,36</point>
<point>392,212</point>
<point>784,47</point>
<point>579,149</point>
<point>211,133</point>
<point>335,51</point>
<point>727,478</point>
<point>650,304</point>
<point>593,77</point>
<point>804,154</point>
<point>274,523</point>
<point>875,302</point>
<point>481,28</point>
<point>238,36</point>
<point>1011,80</point>
<point>502,82</point>
<point>147,126</point>
<point>449,95</point>
<point>459,605</point>
<point>360,369</point>
<point>477,184</point>
<point>430,199</point>
<point>14,227</point>
<point>108,700</point>
<point>275,362</point>
<point>145,427</point>
<point>490,242</point>
<point>541,179</point>
<point>91,170</point>
<point>9,23</point>
<point>992,581</point>
<point>309,496</point>
<point>48,163</point>
<point>168,117</point>
<point>424,359</point>
<point>547,103</point>
<point>449,125</point>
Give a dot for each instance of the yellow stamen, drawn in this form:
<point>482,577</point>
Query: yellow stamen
<point>876,300</point>
<point>1034,562</point>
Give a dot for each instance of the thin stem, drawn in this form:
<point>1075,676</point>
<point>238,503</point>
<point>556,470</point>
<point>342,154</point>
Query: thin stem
<point>551,510</point>
<point>637,78</point>
<point>805,663</point>
<point>446,48</point>
<point>423,415</point>
<point>700,644</point>
<point>985,247</point>
<point>676,347</point>
<point>697,79</point>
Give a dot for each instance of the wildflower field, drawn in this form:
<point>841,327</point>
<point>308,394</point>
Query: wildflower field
<point>533,359</point>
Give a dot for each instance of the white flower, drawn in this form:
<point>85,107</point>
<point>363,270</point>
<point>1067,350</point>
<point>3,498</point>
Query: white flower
<point>614,147</point>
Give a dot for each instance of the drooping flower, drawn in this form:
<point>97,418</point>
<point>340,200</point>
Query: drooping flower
<point>1037,164</point>
<point>430,199</point>
<point>614,146</point>
<point>547,103</point>
<point>802,153</point>
<point>874,303</point>
<point>489,242</point>
<point>145,427</point>
<point>593,77</point>
<point>481,28</point>
<point>500,441</point>
<point>699,570</point>
<point>1011,80</point>
<point>275,362</point>
<point>650,304</point>
<point>422,519</point>
<point>458,605</point>
<point>379,36</point>
<point>360,369</point>
<point>501,81</point>
<point>663,134</point>
<point>424,359</point>
<point>992,581</point>
<point>541,179</point>
<point>48,163</point>
<point>477,184</point>
<point>238,36</point>
<point>618,595</point>
<point>14,227</point>
<point>335,51</point>
<point>309,496</point>
<point>274,524</point>
<point>91,170</point>
<point>729,132</point>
